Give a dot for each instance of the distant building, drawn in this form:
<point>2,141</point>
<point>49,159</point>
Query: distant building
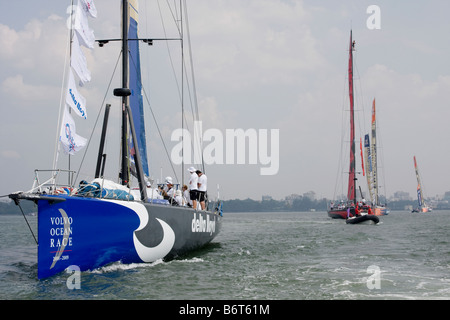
<point>289,200</point>
<point>266,198</point>
<point>447,196</point>
<point>401,195</point>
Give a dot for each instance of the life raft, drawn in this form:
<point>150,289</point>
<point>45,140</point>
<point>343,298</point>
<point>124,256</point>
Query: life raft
<point>363,218</point>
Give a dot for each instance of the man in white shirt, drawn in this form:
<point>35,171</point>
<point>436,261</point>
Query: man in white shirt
<point>193,187</point>
<point>202,186</point>
<point>168,191</point>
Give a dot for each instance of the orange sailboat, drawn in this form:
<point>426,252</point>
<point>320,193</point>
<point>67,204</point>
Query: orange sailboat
<point>370,156</point>
<point>423,207</point>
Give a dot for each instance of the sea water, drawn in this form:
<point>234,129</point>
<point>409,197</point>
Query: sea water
<point>262,256</point>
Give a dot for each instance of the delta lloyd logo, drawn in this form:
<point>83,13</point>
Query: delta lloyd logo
<point>77,104</point>
<point>234,146</point>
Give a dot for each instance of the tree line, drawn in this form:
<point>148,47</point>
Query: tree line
<point>300,204</point>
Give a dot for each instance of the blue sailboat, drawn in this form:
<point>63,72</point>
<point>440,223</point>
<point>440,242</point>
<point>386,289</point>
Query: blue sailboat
<point>100,222</point>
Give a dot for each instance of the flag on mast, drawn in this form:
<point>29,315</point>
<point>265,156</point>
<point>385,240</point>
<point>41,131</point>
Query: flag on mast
<point>74,99</point>
<point>83,35</point>
<point>70,140</point>
<point>78,62</point>
<point>89,7</point>
<point>81,26</point>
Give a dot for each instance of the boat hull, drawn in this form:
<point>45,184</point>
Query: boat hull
<point>423,210</point>
<point>380,211</point>
<point>339,214</point>
<point>90,233</point>
<point>368,218</point>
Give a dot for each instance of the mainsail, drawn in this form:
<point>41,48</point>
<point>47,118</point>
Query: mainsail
<point>351,195</point>
<point>135,84</point>
<point>419,186</point>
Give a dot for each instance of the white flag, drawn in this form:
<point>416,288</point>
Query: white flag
<point>81,25</point>
<point>78,62</point>
<point>74,99</point>
<point>70,141</point>
<point>89,7</point>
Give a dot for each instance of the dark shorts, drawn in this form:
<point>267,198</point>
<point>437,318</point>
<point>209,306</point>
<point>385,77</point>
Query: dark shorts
<point>201,196</point>
<point>193,194</point>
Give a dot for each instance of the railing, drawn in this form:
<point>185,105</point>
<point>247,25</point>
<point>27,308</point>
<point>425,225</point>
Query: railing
<point>53,181</point>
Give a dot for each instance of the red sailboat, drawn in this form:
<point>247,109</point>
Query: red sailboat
<point>351,210</point>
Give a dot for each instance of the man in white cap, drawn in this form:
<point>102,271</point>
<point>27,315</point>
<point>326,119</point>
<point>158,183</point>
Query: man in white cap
<point>202,186</point>
<point>168,191</point>
<point>193,187</point>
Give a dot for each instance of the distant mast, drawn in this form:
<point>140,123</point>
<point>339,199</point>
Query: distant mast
<point>374,155</point>
<point>351,195</point>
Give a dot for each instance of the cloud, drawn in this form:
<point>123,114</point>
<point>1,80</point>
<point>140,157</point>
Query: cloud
<point>246,44</point>
<point>259,64</point>
<point>24,93</point>
<point>10,155</point>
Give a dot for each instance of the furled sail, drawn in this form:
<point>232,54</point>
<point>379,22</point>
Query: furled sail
<point>135,83</point>
<point>369,168</point>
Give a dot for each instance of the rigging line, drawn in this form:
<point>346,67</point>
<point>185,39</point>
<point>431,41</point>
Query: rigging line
<point>184,69</point>
<point>173,14</point>
<point>98,117</point>
<point>29,227</point>
<point>361,101</point>
<point>154,119</point>
<point>180,94</point>
<point>194,89</point>
<point>339,179</point>
<point>183,62</point>
<point>191,59</point>
<point>168,49</point>
<point>61,99</point>
<point>159,132</point>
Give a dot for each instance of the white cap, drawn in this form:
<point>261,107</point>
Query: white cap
<point>169,180</point>
<point>192,169</point>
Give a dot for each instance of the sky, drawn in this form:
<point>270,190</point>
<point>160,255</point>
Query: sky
<point>259,65</point>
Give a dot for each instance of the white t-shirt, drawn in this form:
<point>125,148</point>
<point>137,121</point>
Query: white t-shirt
<point>203,182</point>
<point>187,197</point>
<point>180,200</point>
<point>193,181</point>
